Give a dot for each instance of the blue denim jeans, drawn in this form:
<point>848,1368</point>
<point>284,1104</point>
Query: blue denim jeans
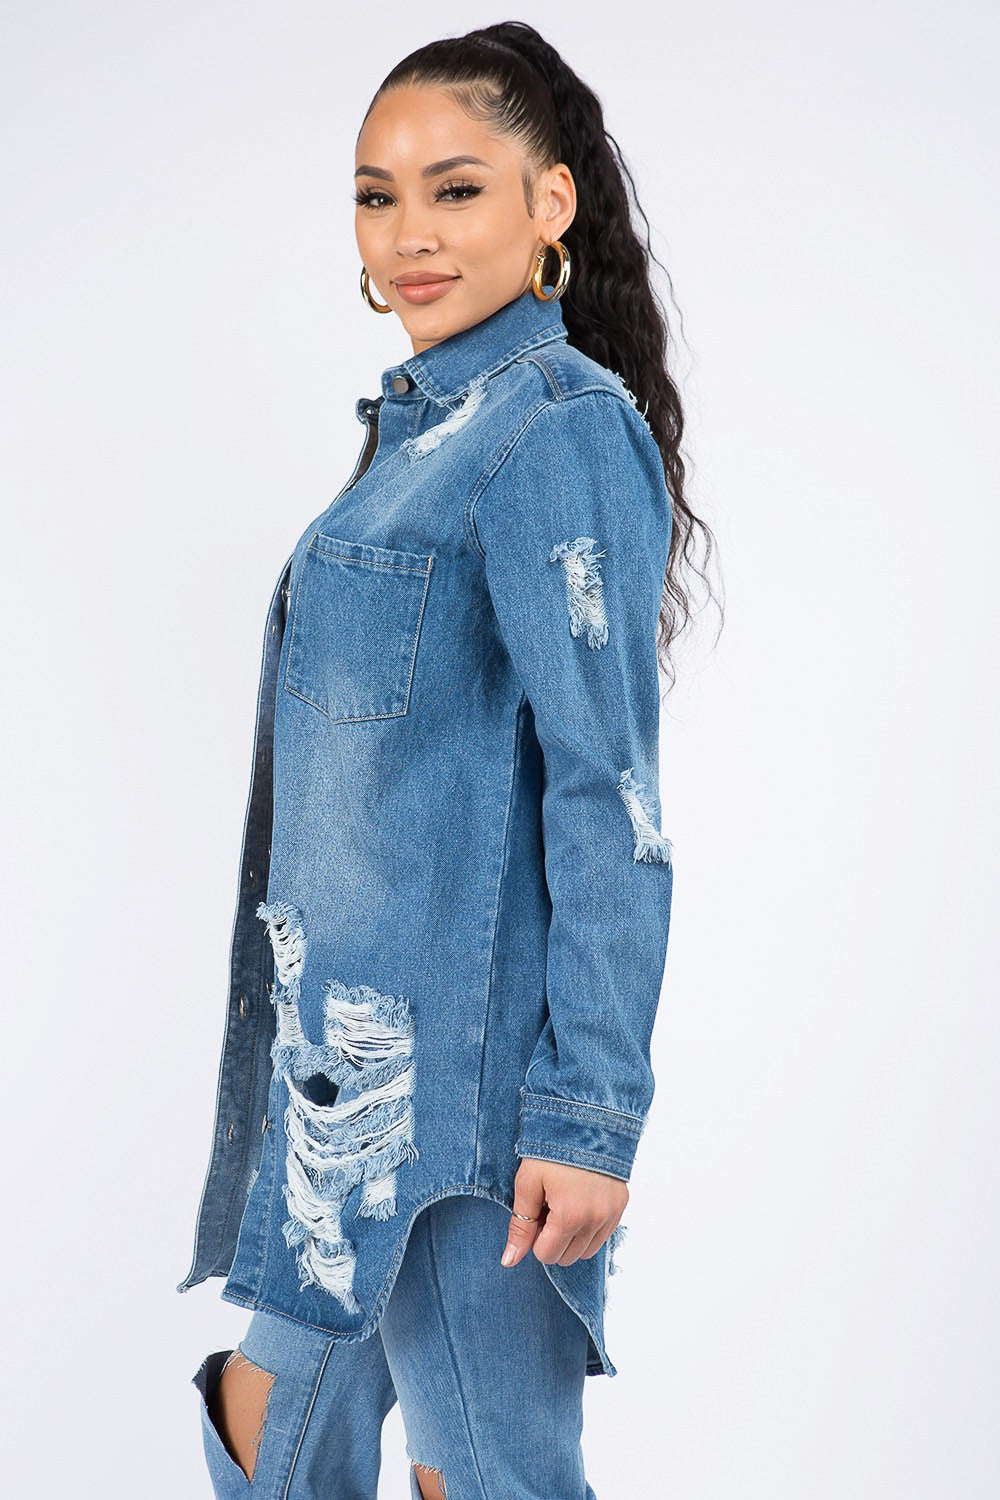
<point>487,1363</point>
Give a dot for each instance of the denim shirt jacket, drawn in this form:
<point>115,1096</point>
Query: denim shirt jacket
<point>454,894</point>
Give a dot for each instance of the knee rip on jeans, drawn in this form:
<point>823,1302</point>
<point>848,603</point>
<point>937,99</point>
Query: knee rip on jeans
<point>434,1477</point>
<point>349,1118</point>
<point>235,1420</point>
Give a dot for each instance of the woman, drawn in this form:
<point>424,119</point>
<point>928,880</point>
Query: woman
<point>455,895</point>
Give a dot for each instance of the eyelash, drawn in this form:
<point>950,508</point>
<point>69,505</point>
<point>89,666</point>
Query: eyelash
<point>364,198</point>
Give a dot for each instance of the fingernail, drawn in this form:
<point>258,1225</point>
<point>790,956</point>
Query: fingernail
<point>509,1256</point>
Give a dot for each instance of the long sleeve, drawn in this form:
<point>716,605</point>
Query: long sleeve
<point>574,526</point>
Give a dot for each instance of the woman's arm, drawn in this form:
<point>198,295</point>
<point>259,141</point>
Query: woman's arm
<point>574,526</point>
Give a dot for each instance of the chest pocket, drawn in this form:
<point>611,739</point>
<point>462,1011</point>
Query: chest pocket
<point>355,628</point>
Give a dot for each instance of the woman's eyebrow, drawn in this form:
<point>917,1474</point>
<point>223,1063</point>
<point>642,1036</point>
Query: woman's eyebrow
<point>434,170</point>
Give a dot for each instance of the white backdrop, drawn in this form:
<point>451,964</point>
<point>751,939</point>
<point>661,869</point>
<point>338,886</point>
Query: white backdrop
<point>808,1297</point>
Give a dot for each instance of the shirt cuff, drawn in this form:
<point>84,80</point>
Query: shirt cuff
<point>579,1134</point>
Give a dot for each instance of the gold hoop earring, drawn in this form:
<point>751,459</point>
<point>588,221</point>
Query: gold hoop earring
<point>366,292</point>
<point>564,270</point>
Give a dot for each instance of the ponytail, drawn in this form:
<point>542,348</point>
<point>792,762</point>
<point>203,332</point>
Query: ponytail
<point>511,79</point>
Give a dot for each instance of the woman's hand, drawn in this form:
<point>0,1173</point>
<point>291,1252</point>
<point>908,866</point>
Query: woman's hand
<point>574,1212</point>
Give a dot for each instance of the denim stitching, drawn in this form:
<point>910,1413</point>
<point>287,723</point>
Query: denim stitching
<point>545,335</point>
<point>442,1302</point>
<point>548,1153</point>
<point>368,563</point>
<point>580,1107</point>
<point>496,904</point>
<point>306,1419</point>
<point>504,450</point>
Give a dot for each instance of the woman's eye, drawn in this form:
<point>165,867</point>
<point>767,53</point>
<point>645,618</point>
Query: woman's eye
<point>471,188</point>
<point>463,192</point>
<point>366,198</point>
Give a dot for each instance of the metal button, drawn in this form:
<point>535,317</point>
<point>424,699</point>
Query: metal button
<point>401,384</point>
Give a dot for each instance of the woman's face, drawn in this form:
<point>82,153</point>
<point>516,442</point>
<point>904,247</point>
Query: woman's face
<point>426,209</point>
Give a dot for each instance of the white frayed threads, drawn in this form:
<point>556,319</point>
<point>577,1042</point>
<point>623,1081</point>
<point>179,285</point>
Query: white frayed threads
<point>361,1138</point>
<point>288,941</point>
<point>326,1257</point>
<point>426,442</point>
<point>584,589</point>
<point>611,1268</point>
<point>632,399</point>
<point>284,927</point>
<point>650,844</point>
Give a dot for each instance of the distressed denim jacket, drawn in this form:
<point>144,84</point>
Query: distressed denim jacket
<point>454,892</point>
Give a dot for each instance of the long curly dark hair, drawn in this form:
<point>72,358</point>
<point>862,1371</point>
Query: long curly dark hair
<point>509,78</point>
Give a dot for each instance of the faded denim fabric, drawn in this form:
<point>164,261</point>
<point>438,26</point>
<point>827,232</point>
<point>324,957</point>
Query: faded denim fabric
<point>517,1373</point>
<point>454,894</point>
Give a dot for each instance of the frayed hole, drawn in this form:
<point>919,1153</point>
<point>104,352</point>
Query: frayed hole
<point>426,442</point>
<point>435,1478</point>
<point>584,589</point>
<point>349,1118</point>
<point>649,844</point>
<point>238,1409</point>
<point>319,1089</point>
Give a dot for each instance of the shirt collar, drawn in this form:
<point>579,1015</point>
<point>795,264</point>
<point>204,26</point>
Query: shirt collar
<point>443,371</point>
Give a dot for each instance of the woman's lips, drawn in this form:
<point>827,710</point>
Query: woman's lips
<point>425,291</point>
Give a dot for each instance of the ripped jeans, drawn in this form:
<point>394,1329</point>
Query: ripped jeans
<point>487,1363</point>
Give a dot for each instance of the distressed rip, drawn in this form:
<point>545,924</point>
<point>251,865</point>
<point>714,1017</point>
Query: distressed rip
<point>335,1143</point>
<point>649,843</point>
<point>432,1473</point>
<point>261,1383</point>
<point>632,399</point>
<point>426,442</point>
<point>614,1240</point>
<point>584,588</point>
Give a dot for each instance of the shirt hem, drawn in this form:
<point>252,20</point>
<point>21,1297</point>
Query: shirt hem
<point>599,1361</point>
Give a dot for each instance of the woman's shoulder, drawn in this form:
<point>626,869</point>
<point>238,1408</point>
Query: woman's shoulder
<point>574,444</point>
<point>568,409</point>
<point>568,397</point>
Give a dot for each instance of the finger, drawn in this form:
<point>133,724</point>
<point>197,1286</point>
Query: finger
<point>603,1234</point>
<point>557,1234</point>
<point>529,1200</point>
<point>577,1247</point>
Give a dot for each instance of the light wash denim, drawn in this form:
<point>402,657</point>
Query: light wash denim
<point>487,1364</point>
<point>454,893</point>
